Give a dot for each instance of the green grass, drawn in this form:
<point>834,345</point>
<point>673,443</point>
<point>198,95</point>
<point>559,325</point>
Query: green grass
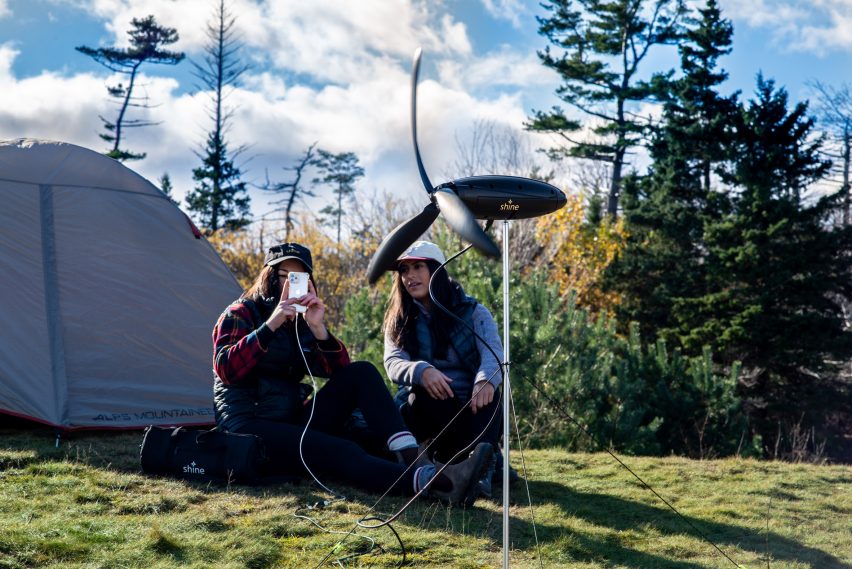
<point>86,504</point>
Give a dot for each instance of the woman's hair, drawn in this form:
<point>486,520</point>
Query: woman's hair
<point>264,286</point>
<point>400,317</point>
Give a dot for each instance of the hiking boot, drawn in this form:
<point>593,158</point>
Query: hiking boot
<point>497,479</point>
<point>465,477</point>
<point>485,482</point>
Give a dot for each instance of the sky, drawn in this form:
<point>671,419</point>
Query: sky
<point>337,72</point>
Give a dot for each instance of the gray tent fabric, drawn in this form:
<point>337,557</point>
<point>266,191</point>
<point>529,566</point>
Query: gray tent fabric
<point>108,296</point>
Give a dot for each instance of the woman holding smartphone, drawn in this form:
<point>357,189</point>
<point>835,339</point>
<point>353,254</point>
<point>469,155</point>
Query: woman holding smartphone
<point>263,348</point>
<point>448,377</point>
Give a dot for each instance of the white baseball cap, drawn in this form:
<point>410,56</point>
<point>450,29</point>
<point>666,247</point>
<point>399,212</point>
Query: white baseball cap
<point>422,251</point>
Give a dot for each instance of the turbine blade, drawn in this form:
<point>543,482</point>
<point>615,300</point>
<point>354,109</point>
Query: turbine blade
<point>398,241</point>
<point>462,221</point>
<point>414,74</point>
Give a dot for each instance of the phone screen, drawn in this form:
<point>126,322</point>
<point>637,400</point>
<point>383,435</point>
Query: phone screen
<point>298,284</point>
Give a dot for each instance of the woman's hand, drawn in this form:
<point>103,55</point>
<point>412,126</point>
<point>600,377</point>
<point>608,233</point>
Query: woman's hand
<point>315,314</point>
<point>436,384</point>
<point>483,394</point>
<point>284,311</point>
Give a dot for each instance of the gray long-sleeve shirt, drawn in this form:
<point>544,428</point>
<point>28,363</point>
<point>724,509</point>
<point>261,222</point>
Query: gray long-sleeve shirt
<point>403,370</point>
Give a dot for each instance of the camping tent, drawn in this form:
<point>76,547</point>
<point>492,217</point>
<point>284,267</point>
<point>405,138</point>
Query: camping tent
<point>109,294</point>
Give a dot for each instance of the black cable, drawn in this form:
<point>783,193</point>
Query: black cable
<point>398,539</point>
<point>506,436</point>
<point>465,406</point>
<point>455,317</point>
<point>437,472</point>
<point>395,516</point>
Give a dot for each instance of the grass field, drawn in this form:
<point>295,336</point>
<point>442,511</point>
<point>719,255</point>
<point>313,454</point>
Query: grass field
<point>86,504</point>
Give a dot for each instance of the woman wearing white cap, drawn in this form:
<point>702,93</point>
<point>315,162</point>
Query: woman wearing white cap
<point>437,359</point>
<point>259,363</point>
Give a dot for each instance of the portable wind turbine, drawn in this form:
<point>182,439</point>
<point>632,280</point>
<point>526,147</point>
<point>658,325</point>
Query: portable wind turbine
<point>462,202</point>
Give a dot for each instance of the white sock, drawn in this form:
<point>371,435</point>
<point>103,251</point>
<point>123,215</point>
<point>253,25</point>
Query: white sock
<point>401,440</point>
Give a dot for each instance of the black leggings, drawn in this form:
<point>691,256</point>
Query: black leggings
<point>427,416</point>
<point>324,449</point>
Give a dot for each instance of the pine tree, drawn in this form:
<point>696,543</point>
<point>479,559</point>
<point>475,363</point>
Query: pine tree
<point>775,267</point>
<point>167,187</point>
<point>340,171</point>
<point>147,40</point>
<point>604,45</point>
<point>697,117</point>
<point>666,210</point>
<point>770,251</point>
<point>220,199</point>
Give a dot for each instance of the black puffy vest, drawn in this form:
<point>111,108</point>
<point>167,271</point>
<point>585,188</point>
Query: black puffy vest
<point>272,389</point>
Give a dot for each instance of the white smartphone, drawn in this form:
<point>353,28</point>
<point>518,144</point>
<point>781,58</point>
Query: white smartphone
<point>298,288</point>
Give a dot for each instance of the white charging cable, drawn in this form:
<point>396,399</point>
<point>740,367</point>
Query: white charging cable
<point>311,416</point>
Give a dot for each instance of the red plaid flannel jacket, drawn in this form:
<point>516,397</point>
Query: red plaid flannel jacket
<point>238,344</point>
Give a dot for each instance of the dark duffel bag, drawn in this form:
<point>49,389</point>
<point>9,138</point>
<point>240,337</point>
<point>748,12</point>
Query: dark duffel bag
<point>204,456</point>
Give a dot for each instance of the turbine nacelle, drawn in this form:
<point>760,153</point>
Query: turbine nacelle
<point>506,197</point>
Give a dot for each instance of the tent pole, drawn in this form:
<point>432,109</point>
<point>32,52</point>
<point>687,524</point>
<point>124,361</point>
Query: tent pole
<point>53,314</point>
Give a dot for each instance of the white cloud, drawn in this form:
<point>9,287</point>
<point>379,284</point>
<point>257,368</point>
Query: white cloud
<point>277,121</point>
<point>65,108</point>
<point>817,26</point>
<point>356,98</point>
<point>510,10</point>
<point>506,67</point>
<point>48,105</point>
<point>7,57</point>
<point>328,40</point>
<point>4,9</point>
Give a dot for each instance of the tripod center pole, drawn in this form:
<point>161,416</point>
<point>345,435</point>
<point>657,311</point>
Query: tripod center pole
<point>506,394</point>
